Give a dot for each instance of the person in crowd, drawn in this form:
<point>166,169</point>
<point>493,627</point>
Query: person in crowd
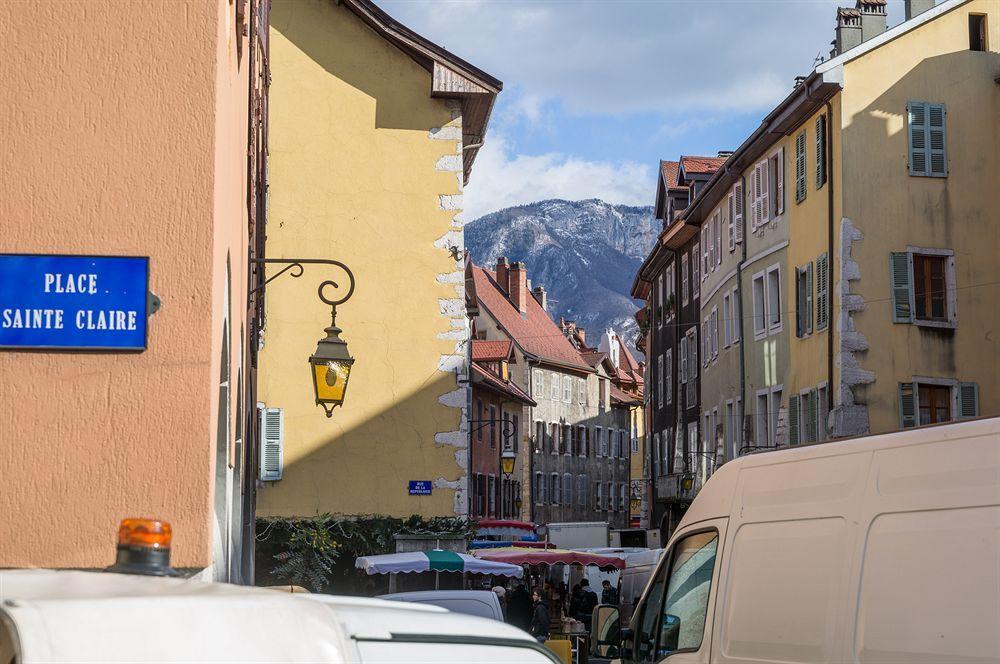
<point>609,595</point>
<point>500,592</point>
<point>539,627</point>
<point>519,607</point>
<point>575,598</point>
<point>588,602</point>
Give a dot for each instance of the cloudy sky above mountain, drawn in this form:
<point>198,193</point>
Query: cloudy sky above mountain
<point>597,91</point>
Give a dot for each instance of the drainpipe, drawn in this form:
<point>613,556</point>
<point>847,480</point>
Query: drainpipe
<point>830,259</point>
<point>740,318</point>
<point>468,418</point>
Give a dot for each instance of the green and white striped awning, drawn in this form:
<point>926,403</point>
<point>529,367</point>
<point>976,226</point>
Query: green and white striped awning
<point>437,560</point>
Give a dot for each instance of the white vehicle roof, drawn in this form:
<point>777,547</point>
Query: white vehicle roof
<point>70,616</point>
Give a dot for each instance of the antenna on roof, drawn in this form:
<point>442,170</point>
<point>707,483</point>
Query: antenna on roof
<point>819,59</point>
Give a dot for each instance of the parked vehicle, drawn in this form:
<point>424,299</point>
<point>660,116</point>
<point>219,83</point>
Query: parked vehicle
<point>877,549</point>
<point>636,537</point>
<point>482,603</point>
<point>73,616</point>
<point>639,567</point>
<point>579,535</point>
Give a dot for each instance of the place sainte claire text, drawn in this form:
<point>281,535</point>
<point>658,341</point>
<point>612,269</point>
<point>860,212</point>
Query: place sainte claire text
<point>54,319</point>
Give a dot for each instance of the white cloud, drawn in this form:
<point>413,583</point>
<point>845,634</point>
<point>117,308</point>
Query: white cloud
<point>632,56</point>
<point>500,179</point>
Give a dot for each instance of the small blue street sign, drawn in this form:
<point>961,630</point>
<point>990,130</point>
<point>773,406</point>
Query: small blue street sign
<point>421,487</point>
<point>73,302</point>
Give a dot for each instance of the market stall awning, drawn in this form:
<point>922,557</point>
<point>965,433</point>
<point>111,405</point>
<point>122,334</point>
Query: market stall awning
<point>523,556</point>
<point>504,528</point>
<point>504,544</point>
<point>434,561</point>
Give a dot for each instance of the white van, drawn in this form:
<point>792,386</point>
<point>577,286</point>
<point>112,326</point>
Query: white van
<point>71,616</point>
<point>482,603</point>
<point>878,549</point>
<point>639,566</point>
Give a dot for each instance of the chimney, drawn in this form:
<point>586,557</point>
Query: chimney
<point>519,287</point>
<point>848,30</point>
<point>503,274</point>
<point>581,334</point>
<point>872,18</point>
<point>541,298</point>
<point>914,7</point>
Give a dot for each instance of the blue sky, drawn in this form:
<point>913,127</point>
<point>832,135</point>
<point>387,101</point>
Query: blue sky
<point>596,92</point>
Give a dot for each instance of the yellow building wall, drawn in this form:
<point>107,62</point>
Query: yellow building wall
<point>359,172</point>
<point>893,209</point>
<point>808,227</point>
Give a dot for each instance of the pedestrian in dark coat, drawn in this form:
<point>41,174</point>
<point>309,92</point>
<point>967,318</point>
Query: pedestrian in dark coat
<point>575,598</point>
<point>588,602</point>
<point>519,607</point>
<point>539,627</point>
<point>609,595</point>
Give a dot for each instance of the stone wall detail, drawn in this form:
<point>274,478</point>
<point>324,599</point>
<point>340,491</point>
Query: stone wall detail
<point>454,362</point>
<point>848,417</point>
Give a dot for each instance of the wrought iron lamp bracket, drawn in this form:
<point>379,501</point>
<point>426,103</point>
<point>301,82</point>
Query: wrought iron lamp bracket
<point>296,267</point>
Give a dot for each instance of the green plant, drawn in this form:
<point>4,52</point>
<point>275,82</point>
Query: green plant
<point>319,552</point>
<point>310,554</point>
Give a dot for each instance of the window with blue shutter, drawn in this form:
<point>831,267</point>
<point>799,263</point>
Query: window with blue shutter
<point>968,400</point>
<point>926,135</point>
<point>907,405</point>
<point>899,281</point>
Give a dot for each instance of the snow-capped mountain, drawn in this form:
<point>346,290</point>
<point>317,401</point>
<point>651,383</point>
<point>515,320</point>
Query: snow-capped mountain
<point>585,254</point>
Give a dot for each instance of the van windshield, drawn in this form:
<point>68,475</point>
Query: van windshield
<point>682,622</point>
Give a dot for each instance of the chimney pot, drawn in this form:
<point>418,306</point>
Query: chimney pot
<point>913,8</point>
<point>849,30</point>
<point>503,274</point>
<point>873,19</point>
<point>519,287</point>
<point>539,294</point>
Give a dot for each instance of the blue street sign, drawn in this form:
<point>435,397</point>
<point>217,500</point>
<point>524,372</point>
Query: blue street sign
<point>421,487</point>
<point>73,302</point>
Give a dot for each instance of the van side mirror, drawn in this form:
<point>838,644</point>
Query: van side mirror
<point>605,631</point>
<point>670,632</point>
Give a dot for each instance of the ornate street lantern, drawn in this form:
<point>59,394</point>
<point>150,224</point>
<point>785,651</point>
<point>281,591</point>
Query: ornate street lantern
<point>507,459</point>
<point>331,368</point>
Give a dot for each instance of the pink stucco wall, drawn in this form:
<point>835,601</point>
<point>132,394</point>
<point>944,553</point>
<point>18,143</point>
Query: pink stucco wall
<point>123,127</point>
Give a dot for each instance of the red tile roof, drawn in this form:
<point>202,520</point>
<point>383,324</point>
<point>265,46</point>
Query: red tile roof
<point>622,397</point>
<point>486,351</point>
<point>483,377</point>
<point>593,357</point>
<point>670,170</point>
<point>702,165</point>
<point>630,365</point>
<point>532,331</point>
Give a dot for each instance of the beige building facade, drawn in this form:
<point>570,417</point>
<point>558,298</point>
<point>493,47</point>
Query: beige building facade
<point>129,135</point>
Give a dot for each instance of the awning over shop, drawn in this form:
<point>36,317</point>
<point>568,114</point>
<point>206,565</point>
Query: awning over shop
<point>434,561</point>
<point>505,528</point>
<point>523,556</point>
<point>503,544</point>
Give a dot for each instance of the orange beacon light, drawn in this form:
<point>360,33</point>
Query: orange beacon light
<point>143,548</point>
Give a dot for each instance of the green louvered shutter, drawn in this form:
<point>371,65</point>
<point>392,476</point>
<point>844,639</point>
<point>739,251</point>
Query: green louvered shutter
<point>809,298</point>
<point>822,292</point>
<point>916,114</point>
<point>793,419</point>
<point>900,269</point>
<point>800,167</point>
<point>968,400</point>
<point>812,425</point>
<point>820,151</point>
<point>907,405</point>
<point>937,156</point>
